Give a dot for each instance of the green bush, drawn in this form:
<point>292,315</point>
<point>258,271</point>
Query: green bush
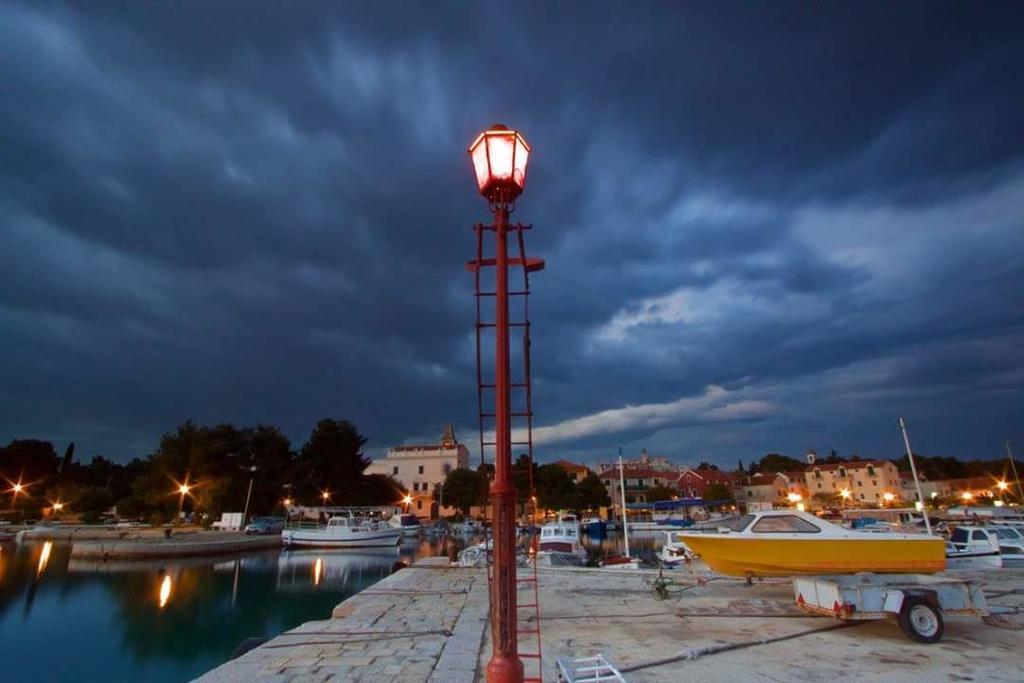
<point>91,517</point>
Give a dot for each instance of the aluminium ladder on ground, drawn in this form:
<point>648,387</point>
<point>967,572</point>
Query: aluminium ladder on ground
<point>527,593</point>
<point>594,669</point>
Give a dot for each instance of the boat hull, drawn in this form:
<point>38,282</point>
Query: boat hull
<point>744,556</point>
<point>322,539</point>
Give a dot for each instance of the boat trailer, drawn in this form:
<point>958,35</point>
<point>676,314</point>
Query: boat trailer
<point>917,601</point>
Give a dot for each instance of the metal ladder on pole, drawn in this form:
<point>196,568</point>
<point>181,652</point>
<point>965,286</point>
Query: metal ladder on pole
<point>527,587</point>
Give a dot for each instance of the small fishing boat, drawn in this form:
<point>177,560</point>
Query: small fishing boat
<point>408,524</point>
<point>973,548</point>
<point>343,531</point>
<point>595,526</point>
<point>560,544</point>
<point>791,542</point>
<point>674,551</point>
<point>1011,545</point>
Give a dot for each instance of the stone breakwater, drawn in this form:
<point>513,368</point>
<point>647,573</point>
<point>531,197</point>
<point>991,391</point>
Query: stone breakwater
<point>177,545</point>
<point>430,623</point>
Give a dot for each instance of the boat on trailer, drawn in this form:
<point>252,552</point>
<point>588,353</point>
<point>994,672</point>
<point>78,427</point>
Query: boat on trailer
<point>792,542</point>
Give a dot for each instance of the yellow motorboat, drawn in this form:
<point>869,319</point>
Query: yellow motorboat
<point>789,542</point>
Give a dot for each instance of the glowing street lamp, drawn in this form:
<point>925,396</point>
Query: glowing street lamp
<point>967,496</point>
<point>845,494</point>
<point>888,497</point>
<point>500,157</point>
<point>325,495</point>
<point>408,501</point>
<point>287,502</point>
<point>794,497</point>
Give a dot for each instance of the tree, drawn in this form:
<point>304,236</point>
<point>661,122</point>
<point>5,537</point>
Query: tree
<point>331,460</point>
<point>591,493</point>
<point>774,462</point>
<point>524,471</point>
<point>555,488</point>
<point>656,493</point>
<point>704,466</point>
<point>465,488</point>
<point>718,492</point>
<point>740,468</point>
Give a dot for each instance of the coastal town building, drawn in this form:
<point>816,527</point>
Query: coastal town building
<point>646,461</point>
<point>762,491</point>
<point>577,472</point>
<point>422,468</point>
<point>638,480</point>
<point>693,483</point>
<point>868,481</point>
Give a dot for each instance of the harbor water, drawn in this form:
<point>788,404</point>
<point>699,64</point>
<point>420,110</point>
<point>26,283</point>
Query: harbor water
<point>63,619</point>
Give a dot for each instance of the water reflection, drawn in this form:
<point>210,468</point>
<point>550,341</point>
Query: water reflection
<point>44,558</point>
<point>171,620</point>
<point>165,590</point>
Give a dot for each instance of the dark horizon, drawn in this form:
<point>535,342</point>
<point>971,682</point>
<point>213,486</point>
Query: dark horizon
<point>768,228</point>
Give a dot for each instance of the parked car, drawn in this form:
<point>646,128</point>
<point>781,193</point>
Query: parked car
<point>265,525</point>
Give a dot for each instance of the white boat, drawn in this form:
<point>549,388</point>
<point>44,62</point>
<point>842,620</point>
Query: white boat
<point>973,548</point>
<point>408,524</point>
<point>675,552</point>
<point>1011,545</point>
<point>560,544</point>
<point>343,531</point>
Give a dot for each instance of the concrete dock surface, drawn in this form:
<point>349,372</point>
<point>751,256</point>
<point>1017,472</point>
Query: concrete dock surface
<point>429,623</point>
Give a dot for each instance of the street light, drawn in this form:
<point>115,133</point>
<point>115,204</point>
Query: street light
<point>845,494</point>
<point>408,501</point>
<point>888,497</point>
<point>325,495</point>
<point>245,513</point>
<point>500,157</point>
<point>967,495</point>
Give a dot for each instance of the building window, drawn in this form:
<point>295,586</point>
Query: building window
<point>657,482</point>
<point>842,472</point>
<point>862,496</point>
<point>415,486</point>
<point>419,504</point>
<point>819,484</point>
<point>394,470</point>
<point>871,471</point>
<point>817,474</point>
<point>860,483</point>
<point>447,467</point>
<point>421,469</point>
<point>874,483</point>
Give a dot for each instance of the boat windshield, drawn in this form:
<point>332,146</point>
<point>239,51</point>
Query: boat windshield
<point>734,523</point>
<point>784,524</point>
<point>1007,534</point>
<point>959,535</point>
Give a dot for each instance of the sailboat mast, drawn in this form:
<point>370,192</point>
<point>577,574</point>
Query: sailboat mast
<point>1013,467</point>
<point>622,488</point>
<point>913,470</point>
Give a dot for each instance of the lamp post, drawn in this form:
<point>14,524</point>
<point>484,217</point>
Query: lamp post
<point>245,513</point>
<point>499,157</point>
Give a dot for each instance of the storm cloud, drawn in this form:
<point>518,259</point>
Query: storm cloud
<point>768,227</point>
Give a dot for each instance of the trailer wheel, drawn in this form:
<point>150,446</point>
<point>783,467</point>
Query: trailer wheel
<point>920,620</point>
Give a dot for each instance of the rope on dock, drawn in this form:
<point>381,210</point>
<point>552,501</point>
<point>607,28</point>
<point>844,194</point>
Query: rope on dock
<point>694,654</point>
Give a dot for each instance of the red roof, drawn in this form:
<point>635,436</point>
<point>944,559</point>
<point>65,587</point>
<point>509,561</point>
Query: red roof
<point>572,467</point>
<point>638,473</point>
<point>762,480</point>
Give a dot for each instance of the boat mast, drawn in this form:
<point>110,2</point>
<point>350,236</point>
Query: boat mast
<point>913,470</point>
<point>622,485</point>
<point>1013,467</point>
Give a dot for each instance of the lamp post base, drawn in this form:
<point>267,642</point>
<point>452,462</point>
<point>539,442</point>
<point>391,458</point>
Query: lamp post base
<point>504,670</point>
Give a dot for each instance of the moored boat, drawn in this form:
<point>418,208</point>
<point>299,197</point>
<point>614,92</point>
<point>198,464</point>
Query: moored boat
<point>792,542</point>
<point>408,524</point>
<point>595,526</point>
<point>343,531</point>
<point>560,544</point>
<point>973,548</point>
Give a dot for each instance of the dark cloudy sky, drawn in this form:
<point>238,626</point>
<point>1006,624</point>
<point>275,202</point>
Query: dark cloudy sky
<point>768,226</point>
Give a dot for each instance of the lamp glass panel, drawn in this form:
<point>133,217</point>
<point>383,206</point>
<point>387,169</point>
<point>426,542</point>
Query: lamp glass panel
<point>501,147</point>
<point>522,157</point>
<point>479,155</point>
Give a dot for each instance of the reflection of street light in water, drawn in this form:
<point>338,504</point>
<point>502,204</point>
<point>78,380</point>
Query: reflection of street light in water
<point>165,590</point>
<point>44,558</point>
<point>318,570</point>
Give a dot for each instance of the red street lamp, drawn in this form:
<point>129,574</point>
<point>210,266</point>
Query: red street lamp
<point>499,158</point>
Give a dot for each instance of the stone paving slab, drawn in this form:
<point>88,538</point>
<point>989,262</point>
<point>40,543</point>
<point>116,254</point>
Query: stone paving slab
<point>430,623</point>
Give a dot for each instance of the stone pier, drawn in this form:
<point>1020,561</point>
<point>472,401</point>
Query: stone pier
<point>429,623</point>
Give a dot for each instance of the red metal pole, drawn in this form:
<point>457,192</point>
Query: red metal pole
<point>505,665</point>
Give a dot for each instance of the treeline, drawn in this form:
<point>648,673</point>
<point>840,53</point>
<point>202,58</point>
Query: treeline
<point>215,463</point>
<point>553,486</point>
